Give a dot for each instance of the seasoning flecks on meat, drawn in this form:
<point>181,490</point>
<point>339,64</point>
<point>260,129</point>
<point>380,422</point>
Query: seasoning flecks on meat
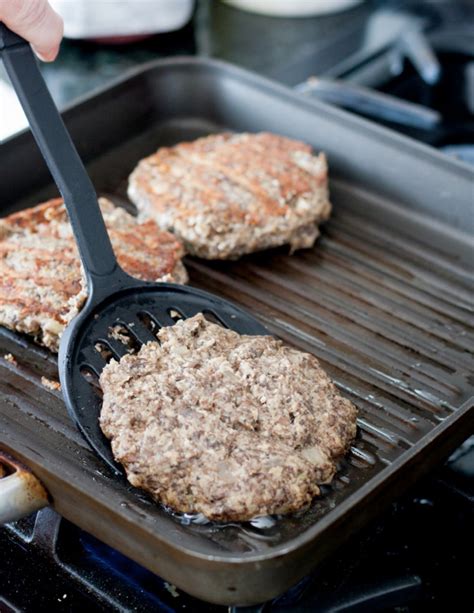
<point>230,194</point>
<point>41,281</point>
<point>209,421</point>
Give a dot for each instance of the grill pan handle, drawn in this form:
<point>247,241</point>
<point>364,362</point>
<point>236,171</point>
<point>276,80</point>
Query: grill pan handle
<point>21,493</point>
<point>370,102</point>
<point>100,265</point>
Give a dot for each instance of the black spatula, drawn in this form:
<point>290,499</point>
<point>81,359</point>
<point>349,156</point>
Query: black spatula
<point>114,298</point>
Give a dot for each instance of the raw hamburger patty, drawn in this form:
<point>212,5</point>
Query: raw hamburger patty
<point>41,285</point>
<point>226,425</point>
<point>230,194</point>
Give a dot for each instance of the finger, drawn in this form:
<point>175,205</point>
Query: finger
<point>35,21</point>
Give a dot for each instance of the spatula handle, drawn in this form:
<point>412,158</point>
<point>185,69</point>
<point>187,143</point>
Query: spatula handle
<point>61,157</point>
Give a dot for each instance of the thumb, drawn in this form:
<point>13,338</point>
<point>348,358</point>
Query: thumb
<point>35,21</point>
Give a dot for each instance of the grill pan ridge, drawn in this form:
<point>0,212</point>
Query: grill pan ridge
<point>384,300</point>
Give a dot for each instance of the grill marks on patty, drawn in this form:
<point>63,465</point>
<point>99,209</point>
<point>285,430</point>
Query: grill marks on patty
<point>230,194</point>
<point>227,425</point>
<point>41,285</point>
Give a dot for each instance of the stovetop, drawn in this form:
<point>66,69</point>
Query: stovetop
<point>417,555</point>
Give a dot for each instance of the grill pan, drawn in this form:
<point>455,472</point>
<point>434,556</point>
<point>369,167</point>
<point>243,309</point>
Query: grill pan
<point>384,300</point>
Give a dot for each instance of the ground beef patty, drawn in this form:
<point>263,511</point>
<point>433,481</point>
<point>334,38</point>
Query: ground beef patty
<point>41,285</point>
<point>226,425</point>
<point>230,194</point>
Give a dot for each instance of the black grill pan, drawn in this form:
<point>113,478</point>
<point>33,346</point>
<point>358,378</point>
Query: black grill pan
<point>384,300</point>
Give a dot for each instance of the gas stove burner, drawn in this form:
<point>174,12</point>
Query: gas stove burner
<point>465,153</point>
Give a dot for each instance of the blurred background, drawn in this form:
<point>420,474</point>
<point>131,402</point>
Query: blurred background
<point>416,51</point>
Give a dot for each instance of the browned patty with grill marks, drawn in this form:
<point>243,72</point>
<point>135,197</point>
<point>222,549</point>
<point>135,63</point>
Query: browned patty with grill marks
<point>230,194</point>
<point>41,284</point>
<point>226,425</point>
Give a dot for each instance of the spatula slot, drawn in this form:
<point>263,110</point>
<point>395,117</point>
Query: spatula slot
<point>214,318</point>
<point>103,351</point>
<point>122,333</point>
<point>109,348</point>
<point>149,322</point>
<point>93,360</point>
<point>175,314</point>
<point>92,379</point>
<point>140,333</point>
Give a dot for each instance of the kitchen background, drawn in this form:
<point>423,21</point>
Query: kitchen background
<point>365,45</point>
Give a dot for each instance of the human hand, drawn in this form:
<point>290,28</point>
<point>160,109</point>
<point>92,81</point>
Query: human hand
<point>35,21</point>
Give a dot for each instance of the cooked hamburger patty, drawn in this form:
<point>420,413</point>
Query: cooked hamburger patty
<point>226,425</point>
<point>230,194</point>
<point>41,284</point>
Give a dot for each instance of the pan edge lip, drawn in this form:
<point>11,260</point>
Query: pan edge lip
<point>310,537</point>
<point>249,76</point>
<point>252,77</point>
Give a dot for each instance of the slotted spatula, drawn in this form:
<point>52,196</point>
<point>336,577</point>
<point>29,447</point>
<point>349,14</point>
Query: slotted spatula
<point>114,297</point>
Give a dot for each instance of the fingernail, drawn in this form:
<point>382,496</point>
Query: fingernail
<point>47,56</point>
